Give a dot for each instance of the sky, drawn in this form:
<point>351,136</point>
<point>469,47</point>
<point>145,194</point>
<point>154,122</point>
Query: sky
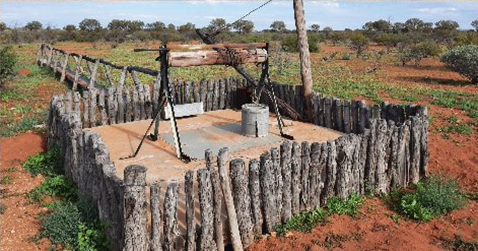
<point>336,14</point>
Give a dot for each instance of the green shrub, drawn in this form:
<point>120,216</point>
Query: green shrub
<point>75,226</point>
<point>289,43</point>
<point>346,56</point>
<point>47,163</point>
<point>359,42</point>
<point>419,51</point>
<point>464,60</point>
<point>8,61</point>
<point>432,197</point>
<point>56,186</point>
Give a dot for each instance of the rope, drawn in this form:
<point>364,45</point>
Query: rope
<point>250,12</point>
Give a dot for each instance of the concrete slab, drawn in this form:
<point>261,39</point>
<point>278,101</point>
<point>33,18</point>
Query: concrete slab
<point>194,142</point>
<point>209,130</point>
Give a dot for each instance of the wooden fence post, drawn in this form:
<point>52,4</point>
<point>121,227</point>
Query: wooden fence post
<point>65,66</point>
<point>242,200</point>
<point>156,227</point>
<point>305,165</point>
<point>255,190</point>
<point>217,200</point>
<point>94,73</point>
<point>77,73</point>
<point>331,173</point>
<point>171,230</point>
<point>277,182</point>
<point>267,184</point>
<point>206,241</point>
<point>190,223</point>
<point>136,221</point>
<point>228,199</point>
<point>296,174</point>
<point>285,163</point>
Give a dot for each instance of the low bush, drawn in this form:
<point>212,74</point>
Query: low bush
<point>431,198</point>
<point>359,43</point>
<point>346,56</point>
<point>56,186</point>
<point>75,226</point>
<point>289,43</point>
<point>419,51</point>
<point>46,163</point>
<point>8,61</point>
<point>464,60</point>
<point>73,221</point>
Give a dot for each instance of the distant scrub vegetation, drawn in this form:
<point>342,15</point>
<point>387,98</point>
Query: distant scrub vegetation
<point>393,35</point>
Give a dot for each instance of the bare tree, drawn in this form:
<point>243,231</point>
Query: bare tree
<point>304,55</point>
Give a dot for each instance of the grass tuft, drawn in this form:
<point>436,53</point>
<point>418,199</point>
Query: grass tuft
<point>459,244</point>
<point>306,221</point>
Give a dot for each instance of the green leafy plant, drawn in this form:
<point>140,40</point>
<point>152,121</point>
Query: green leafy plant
<point>464,60</point>
<point>304,222</point>
<point>8,61</point>
<point>6,179</point>
<point>394,217</point>
<point>347,207</point>
<point>3,208</point>
<point>431,198</point>
<point>47,163</point>
<point>55,186</point>
<point>75,226</point>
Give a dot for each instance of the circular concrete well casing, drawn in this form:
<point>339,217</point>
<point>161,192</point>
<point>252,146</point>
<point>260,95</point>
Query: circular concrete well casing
<point>255,120</point>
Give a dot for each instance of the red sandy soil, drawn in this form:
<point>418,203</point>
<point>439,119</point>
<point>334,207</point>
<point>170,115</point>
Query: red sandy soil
<point>19,222</point>
<point>23,72</point>
<point>373,230</point>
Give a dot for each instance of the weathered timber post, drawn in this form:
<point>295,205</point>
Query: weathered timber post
<point>206,240</point>
<point>266,181</point>
<point>305,165</point>
<point>65,66</point>
<point>296,174</point>
<point>190,223</point>
<point>156,227</point>
<point>77,73</point>
<point>255,190</point>
<point>217,200</point>
<point>285,163</point>
<point>228,199</point>
<point>94,73</point>
<point>305,69</point>
<point>242,199</point>
<point>136,221</point>
<point>171,230</point>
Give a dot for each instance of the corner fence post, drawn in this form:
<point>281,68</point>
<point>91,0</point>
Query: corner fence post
<point>134,211</point>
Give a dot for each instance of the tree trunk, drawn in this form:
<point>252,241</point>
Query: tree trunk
<point>305,69</point>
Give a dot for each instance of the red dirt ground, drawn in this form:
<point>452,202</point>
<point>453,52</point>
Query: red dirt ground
<point>19,221</point>
<point>23,72</point>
